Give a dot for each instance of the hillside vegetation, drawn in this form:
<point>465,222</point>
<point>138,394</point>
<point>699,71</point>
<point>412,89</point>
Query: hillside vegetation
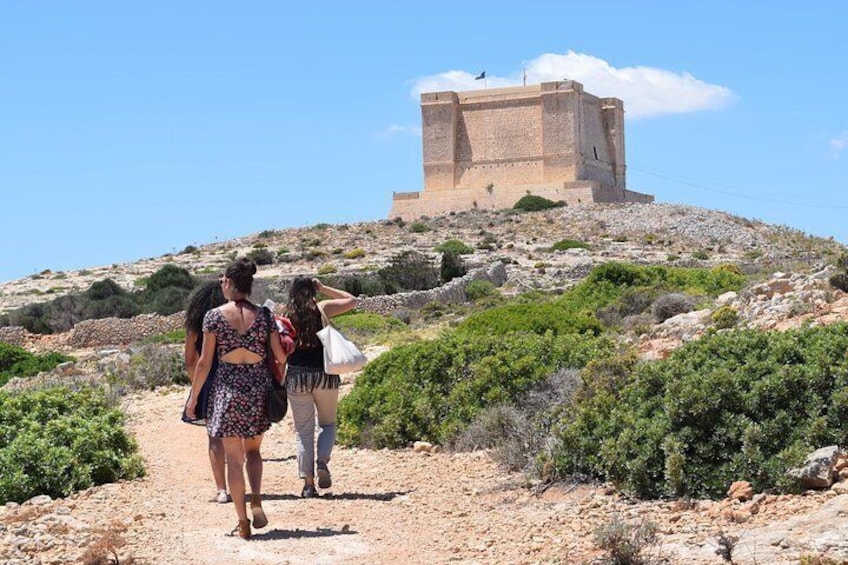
<point>547,371</point>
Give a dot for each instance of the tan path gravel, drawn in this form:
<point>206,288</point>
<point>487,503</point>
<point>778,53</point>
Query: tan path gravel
<point>385,506</point>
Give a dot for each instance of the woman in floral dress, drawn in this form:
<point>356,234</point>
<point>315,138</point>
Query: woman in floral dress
<point>237,333</point>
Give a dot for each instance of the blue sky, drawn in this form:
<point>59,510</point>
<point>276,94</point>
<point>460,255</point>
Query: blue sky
<point>130,130</point>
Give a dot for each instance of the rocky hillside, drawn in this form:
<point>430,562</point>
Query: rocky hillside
<point>639,233</point>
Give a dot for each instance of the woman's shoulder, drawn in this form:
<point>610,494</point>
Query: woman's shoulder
<point>213,315</point>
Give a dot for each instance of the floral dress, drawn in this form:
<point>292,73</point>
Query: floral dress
<point>237,403</point>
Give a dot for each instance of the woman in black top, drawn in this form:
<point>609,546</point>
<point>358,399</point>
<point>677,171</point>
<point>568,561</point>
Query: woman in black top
<point>309,388</point>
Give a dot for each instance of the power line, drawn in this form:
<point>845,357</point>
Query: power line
<point>733,192</point>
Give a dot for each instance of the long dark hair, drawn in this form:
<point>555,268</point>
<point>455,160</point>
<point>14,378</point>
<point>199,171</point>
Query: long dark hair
<point>303,312</point>
<point>202,299</point>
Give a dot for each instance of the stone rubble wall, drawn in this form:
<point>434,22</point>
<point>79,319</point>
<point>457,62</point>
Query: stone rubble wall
<point>450,293</point>
<point>15,335</point>
<point>117,331</point>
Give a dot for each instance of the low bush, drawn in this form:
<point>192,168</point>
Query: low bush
<point>57,441</point>
<point>454,246</point>
<point>564,244</point>
<point>360,284</point>
<point>519,432</point>
<point>16,361</point>
<point>261,256</point>
<point>740,405</point>
<point>725,317</point>
<point>164,293</point>
<point>626,543</point>
<point>369,327</point>
<point>419,227</point>
<point>475,290</point>
<point>409,270</point>
<point>671,305</point>
<point>532,203</point>
<point>172,337</point>
<point>432,390</point>
<point>537,318</point>
<point>452,266</point>
<point>151,366</point>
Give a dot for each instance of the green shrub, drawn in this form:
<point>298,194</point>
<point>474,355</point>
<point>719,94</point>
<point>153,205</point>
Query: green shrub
<point>10,355</point>
<point>839,281</point>
<point>702,255</point>
<point>164,292</point>
<point>57,441</point>
<point>171,276</point>
<point>532,203</point>
<point>354,253</point>
<point>369,327</point>
<point>171,337</point>
<point>419,227</point>
<point>101,290</point>
<point>537,318</point>
<point>432,390</point>
<point>518,433</point>
<point>564,244</point>
<point>454,246</point>
<point>624,542</point>
<point>452,266</point>
<point>740,405</point>
<point>409,270</point>
<point>725,317</point>
<point>475,290</point>
<point>327,269</point>
<point>361,284</point>
<point>671,305</point>
<point>16,361</point>
<point>261,256</point>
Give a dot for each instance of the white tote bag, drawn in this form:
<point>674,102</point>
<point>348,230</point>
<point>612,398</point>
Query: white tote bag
<point>340,355</point>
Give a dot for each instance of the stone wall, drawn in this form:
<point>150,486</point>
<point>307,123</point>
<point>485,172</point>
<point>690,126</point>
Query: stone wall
<point>13,334</point>
<point>118,331</point>
<point>450,293</point>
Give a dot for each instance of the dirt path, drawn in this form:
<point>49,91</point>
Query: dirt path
<point>385,507</point>
<point>388,507</point>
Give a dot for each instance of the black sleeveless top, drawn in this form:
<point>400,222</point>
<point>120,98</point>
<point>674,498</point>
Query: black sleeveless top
<point>312,357</point>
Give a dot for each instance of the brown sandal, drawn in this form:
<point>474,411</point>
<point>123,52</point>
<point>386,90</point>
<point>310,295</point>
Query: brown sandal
<point>244,529</point>
<point>259,518</point>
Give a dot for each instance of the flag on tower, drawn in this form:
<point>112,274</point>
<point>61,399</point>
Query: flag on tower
<point>480,76</point>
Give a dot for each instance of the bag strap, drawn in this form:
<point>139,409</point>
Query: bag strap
<point>324,319</point>
<point>268,322</point>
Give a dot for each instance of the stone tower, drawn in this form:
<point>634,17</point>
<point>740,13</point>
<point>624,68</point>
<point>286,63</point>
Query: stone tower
<point>488,148</point>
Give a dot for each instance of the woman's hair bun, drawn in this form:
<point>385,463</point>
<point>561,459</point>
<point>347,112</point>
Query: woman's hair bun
<point>245,266</point>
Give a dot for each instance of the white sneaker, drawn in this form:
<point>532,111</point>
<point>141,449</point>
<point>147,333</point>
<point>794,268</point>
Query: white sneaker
<point>222,497</point>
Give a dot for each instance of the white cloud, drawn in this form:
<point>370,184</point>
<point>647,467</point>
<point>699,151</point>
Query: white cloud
<point>396,129</point>
<point>646,91</point>
<point>837,144</point>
